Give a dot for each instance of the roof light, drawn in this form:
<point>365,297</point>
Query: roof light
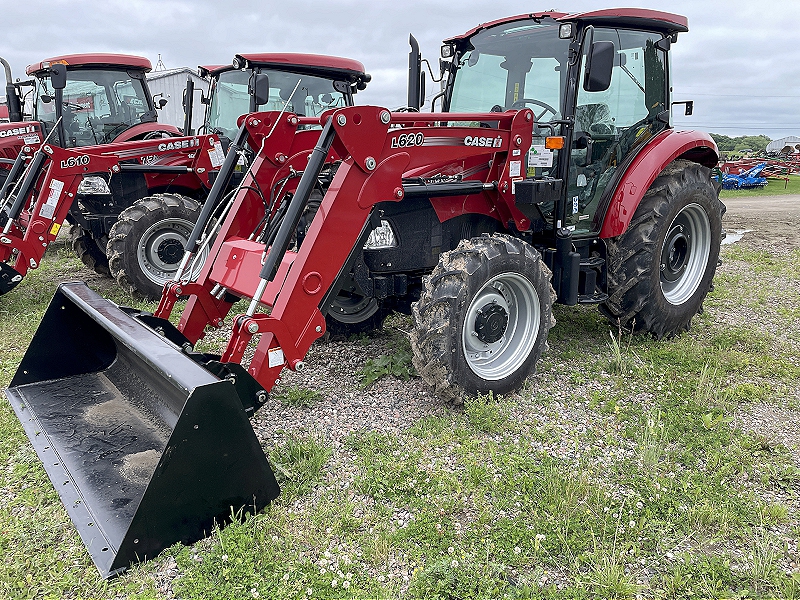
<point>447,51</point>
<point>554,142</point>
<point>239,62</point>
<point>565,31</point>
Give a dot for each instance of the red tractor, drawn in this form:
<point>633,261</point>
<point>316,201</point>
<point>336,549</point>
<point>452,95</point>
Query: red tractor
<point>132,222</point>
<point>105,99</point>
<point>552,175</point>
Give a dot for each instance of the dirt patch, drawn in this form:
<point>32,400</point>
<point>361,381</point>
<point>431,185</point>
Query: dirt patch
<point>138,468</point>
<point>772,219</point>
<point>110,414</point>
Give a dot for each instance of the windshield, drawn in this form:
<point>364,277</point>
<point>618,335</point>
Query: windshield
<point>230,98</point>
<point>99,104</point>
<point>513,66</point>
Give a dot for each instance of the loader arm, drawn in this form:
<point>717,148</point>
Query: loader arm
<point>50,184</point>
<point>377,148</point>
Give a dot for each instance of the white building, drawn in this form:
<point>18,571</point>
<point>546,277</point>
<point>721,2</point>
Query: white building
<point>170,85</point>
<point>778,145</point>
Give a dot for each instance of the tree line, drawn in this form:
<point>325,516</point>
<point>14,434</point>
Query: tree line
<point>756,143</point>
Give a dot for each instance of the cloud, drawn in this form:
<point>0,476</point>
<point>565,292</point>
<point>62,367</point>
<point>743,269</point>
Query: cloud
<point>739,64</point>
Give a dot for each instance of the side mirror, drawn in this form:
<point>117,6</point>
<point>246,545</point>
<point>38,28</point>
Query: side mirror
<point>162,103</point>
<point>58,76</point>
<point>599,65</point>
<point>259,88</point>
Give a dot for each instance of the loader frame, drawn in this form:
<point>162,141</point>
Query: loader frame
<point>374,145</point>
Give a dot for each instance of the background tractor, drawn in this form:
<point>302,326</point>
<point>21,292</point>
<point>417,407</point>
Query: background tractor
<point>551,175</point>
<point>133,223</point>
<point>105,99</point>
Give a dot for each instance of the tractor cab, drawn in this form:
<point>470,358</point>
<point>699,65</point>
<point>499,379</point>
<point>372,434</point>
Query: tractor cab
<point>321,82</point>
<point>100,98</point>
<point>598,86</point>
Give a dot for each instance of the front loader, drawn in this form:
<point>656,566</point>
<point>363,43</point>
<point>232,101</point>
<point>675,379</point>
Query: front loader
<point>475,219</point>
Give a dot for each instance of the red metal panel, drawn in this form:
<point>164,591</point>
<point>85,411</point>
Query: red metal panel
<point>659,152</point>
<point>92,59</point>
<point>628,16</point>
<point>283,60</point>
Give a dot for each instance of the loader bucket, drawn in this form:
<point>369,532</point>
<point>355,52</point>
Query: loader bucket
<point>145,447</point>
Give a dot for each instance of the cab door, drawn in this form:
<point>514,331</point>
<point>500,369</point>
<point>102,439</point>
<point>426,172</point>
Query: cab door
<point>612,124</point>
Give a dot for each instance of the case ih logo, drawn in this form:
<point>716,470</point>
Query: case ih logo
<point>408,139</point>
<point>75,161</point>
<point>179,144</point>
<point>17,131</point>
<point>483,142</point>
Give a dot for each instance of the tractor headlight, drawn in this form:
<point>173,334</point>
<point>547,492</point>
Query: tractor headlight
<point>381,237</point>
<point>565,31</point>
<point>93,185</point>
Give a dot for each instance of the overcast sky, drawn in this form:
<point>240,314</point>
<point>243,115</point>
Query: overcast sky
<point>740,61</point>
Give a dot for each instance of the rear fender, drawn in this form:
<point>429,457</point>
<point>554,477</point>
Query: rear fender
<point>645,167</point>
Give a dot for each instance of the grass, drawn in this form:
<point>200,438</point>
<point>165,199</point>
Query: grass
<point>774,187</point>
<point>620,469</point>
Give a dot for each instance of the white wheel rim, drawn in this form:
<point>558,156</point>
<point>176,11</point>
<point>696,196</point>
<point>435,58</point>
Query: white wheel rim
<point>684,254</point>
<point>161,249</point>
<point>516,296</point>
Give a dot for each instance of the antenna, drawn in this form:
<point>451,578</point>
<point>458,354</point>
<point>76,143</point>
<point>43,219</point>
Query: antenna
<point>160,66</point>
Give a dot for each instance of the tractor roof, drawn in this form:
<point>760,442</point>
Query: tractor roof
<point>311,64</point>
<point>622,17</point>
<point>122,61</point>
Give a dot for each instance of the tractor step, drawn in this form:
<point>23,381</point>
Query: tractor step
<point>590,276</point>
<point>596,298</point>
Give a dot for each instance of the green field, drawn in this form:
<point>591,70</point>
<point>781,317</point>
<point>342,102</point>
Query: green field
<point>622,469</point>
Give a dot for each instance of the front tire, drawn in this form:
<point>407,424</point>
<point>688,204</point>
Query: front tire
<point>147,242</point>
<point>483,318</point>
<point>661,268</point>
<point>88,250</point>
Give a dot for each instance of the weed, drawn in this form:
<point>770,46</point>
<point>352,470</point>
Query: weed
<point>397,364</point>
<point>764,564</point>
<point>651,445</point>
<point>298,463</point>
<point>608,579</point>
<point>297,396</point>
<point>487,413</point>
<point>621,361</point>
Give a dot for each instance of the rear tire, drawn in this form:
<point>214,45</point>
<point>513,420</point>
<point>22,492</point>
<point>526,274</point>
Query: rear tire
<point>147,242</point>
<point>89,251</point>
<point>352,314</point>
<point>661,268</point>
<point>483,318</point>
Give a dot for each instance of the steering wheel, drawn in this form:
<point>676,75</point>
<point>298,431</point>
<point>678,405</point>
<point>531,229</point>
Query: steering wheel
<point>537,118</point>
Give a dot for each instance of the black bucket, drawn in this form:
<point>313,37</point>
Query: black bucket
<point>145,447</point>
